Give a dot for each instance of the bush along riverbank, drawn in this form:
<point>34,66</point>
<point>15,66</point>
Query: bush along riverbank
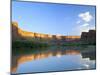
<point>78,44</point>
<point>28,44</point>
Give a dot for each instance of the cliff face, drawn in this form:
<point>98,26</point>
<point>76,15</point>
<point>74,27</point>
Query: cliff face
<point>89,37</point>
<point>14,31</point>
<point>18,33</point>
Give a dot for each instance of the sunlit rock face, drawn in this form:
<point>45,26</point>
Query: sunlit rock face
<point>89,37</point>
<point>14,30</point>
<point>18,33</point>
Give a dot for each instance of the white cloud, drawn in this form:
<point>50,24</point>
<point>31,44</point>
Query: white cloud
<point>85,25</point>
<point>83,28</point>
<point>92,27</point>
<point>87,17</point>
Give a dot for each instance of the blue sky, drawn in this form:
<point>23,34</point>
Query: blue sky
<point>60,19</point>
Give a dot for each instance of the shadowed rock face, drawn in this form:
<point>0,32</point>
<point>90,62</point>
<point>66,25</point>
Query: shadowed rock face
<point>92,36</point>
<point>89,37</point>
<point>84,36</point>
<point>18,33</point>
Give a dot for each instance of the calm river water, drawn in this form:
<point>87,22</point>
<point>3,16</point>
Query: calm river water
<point>54,59</point>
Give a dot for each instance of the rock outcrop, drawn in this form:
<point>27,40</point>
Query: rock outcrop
<point>89,37</point>
<point>15,34</point>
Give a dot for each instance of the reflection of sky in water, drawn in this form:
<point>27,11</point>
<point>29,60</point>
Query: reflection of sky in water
<point>56,63</point>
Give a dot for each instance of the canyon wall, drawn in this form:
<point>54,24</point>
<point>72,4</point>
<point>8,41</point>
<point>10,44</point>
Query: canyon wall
<point>18,33</point>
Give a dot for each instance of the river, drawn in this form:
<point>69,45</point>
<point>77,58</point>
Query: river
<point>54,59</point>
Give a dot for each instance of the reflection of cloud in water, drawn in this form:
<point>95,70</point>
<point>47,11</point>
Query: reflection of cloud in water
<point>87,63</point>
<point>58,55</point>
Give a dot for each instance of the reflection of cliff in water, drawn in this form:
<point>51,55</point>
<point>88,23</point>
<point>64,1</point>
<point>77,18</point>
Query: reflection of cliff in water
<point>25,58</point>
<point>19,59</point>
<point>91,55</point>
